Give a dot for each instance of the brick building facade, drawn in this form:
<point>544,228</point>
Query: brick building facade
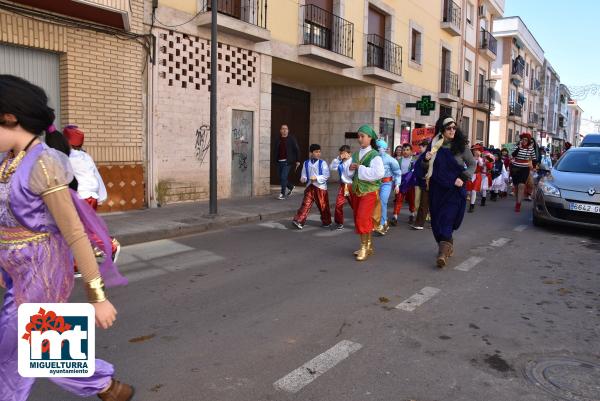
<point>101,77</point>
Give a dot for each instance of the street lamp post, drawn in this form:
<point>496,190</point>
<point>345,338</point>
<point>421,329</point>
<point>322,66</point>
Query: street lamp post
<point>212,204</point>
<point>490,90</point>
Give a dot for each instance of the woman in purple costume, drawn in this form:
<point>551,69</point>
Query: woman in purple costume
<point>43,227</point>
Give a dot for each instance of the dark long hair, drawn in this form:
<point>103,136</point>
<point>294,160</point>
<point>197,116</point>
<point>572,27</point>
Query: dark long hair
<point>27,102</point>
<point>459,143</point>
<point>55,139</point>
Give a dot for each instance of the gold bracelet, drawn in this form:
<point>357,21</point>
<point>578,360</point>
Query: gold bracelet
<point>95,290</point>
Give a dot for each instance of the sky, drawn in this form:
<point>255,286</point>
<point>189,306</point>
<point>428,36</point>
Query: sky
<point>569,33</point>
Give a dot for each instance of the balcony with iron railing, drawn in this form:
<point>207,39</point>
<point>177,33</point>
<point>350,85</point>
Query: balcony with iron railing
<point>485,97</point>
<point>243,18</point>
<point>326,36</point>
<point>515,109</point>
<point>449,86</point>
<point>488,44</point>
<point>113,13</point>
<point>384,59</point>
<point>518,69</point>
<point>452,18</point>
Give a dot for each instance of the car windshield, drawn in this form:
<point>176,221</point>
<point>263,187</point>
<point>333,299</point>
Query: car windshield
<point>580,162</point>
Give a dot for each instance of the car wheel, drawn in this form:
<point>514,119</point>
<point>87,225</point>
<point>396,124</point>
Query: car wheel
<point>537,221</point>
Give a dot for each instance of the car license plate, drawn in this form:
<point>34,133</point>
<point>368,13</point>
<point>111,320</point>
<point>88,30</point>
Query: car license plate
<point>584,207</point>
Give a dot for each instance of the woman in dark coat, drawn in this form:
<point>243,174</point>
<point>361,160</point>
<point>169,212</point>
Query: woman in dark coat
<point>449,165</point>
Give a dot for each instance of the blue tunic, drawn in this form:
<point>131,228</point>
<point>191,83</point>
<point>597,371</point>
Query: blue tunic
<point>447,202</point>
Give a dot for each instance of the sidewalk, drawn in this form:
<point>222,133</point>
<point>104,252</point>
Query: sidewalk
<point>191,218</point>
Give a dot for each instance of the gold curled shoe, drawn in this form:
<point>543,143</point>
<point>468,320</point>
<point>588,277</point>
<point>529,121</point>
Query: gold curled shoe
<point>386,227</point>
<point>370,249</point>
<point>98,253</point>
<point>363,253</point>
<point>380,229</point>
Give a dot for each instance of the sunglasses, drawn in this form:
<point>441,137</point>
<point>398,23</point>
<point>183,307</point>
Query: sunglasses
<point>452,127</point>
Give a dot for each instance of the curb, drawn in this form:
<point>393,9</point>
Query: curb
<point>214,224</point>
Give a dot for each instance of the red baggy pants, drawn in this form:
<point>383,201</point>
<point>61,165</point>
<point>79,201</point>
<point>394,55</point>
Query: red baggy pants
<point>312,195</point>
<point>400,198</point>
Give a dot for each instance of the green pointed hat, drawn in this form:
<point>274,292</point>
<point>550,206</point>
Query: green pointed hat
<point>367,130</point>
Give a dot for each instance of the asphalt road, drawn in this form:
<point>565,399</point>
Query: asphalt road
<point>264,312</point>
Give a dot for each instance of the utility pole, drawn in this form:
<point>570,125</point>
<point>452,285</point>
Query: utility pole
<point>212,205</point>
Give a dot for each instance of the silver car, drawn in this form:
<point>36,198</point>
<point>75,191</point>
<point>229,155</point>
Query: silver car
<point>570,194</point>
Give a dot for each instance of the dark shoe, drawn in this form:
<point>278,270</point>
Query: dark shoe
<point>297,225</point>
<point>494,196</point>
<point>471,208</point>
<point>281,197</point>
<point>340,227</point>
<point>411,219</point>
<point>483,201</point>
<point>443,253</point>
<point>290,191</point>
<point>393,221</point>
<point>326,225</point>
<point>117,392</point>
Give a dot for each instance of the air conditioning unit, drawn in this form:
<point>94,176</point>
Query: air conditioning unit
<point>483,10</point>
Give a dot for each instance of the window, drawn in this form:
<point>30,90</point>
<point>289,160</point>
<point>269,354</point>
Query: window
<point>445,111</point>
<point>468,66</point>
<point>415,46</point>
<point>526,69</point>
<point>466,125</point>
<point>470,12</point>
<point>510,136</point>
<point>480,125</point>
<point>386,129</point>
<point>512,96</point>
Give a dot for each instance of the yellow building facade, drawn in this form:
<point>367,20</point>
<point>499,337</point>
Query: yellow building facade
<point>323,67</point>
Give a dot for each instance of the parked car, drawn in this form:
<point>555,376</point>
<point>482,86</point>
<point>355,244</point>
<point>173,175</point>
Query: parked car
<point>570,194</point>
<point>590,140</point>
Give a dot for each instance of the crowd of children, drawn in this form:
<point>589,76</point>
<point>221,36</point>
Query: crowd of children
<point>369,176</point>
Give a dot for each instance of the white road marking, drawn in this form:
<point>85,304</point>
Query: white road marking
<point>142,270</point>
<point>500,242</point>
<point>151,250</point>
<point>418,299</point>
<point>469,263</point>
<point>273,224</point>
<point>317,366</point>
<point>520,228</point>
<point>332,233</point>
<point>305,229</point>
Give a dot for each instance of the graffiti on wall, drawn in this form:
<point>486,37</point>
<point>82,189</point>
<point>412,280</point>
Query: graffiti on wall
<point>241,134</point>
<point>202,144</point>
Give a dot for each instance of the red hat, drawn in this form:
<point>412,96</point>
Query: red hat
<point>477,147</point>
<point>525,135</point>
<point>74,135</point>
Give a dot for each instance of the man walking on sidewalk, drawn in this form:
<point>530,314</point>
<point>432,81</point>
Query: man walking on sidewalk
<point>286,152</point>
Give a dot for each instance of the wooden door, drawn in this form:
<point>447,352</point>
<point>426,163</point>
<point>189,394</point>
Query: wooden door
<point>292,107</point>
<point>376,22</point>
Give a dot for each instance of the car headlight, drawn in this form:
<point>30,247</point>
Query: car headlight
<point>549,190</point>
